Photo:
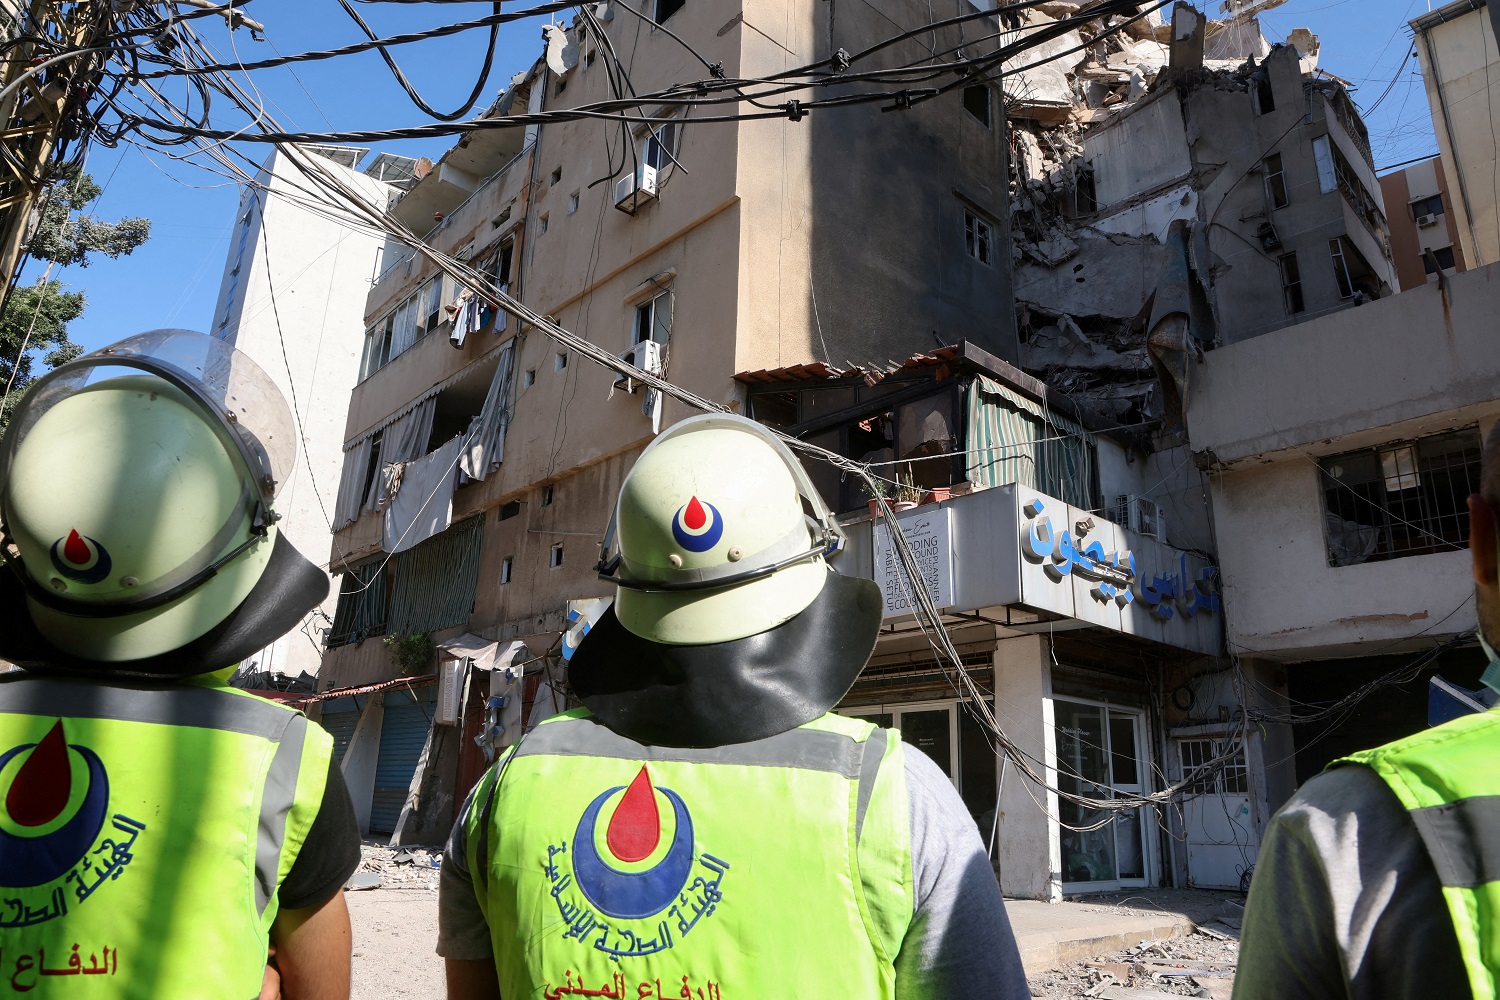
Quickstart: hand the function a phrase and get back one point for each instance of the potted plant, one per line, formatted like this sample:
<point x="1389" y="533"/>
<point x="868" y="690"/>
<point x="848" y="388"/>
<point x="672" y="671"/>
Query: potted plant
<point x="877" y="489"/>
<point x="908" y="493"/>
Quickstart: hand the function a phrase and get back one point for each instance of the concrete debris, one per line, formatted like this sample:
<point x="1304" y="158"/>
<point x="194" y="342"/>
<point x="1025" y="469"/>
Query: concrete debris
<point x="1196" y="965"/>
<point x="383" y="867"/>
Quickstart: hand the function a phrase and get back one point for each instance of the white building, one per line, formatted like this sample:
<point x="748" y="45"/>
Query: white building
<point x="293" y="299"/>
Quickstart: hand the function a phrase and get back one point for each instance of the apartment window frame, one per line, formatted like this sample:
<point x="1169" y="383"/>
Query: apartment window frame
<point x="430" y="302"/>
<point x="528" y="379"/>
<point x="1341" y="274"/>
<point x="1402" y="498"/>
<point x="1292" y="298"/>
<point x="1276" y="186"/>
<point x="555" y="556"/>
<point x="1265" y="93"/>
<point x="978" y="101"/>
<point x="573" y="202"/>
<point x="659" y="146"/>
<point x="652" y="319"/>
<point x="1086" y="190"/>
<point x="979" y="237"/>
<point x="541" y="223"/>
<point x="1436" y="252"/>
<point x="1433" y="205"/>
<point x="507" y="567"/>
<point x="664" y="9"/>
<point x="559" y="360"/>
<point x="548" y="495"/>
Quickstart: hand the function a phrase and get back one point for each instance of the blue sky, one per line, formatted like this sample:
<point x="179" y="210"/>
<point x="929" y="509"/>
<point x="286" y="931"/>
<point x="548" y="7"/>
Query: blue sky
<point x="174" y="279"/>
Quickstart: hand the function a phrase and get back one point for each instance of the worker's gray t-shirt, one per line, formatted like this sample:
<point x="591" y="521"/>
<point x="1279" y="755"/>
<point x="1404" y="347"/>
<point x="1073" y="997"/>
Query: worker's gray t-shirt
<point x="959" y="934"/>
<point x="1345" y="902"/>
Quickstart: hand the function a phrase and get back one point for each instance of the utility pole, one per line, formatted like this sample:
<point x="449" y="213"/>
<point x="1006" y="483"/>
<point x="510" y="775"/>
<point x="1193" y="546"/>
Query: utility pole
<point x="40" y="85"/>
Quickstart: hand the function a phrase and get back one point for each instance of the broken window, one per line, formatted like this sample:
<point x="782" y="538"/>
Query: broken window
<point x="1406" y="498"/>
<point x="1276" y="182"/>
<point x="1265" y="96"/>
<point x="1291" y="283"/>
<point x="977" y="103"/>
<point x="1086" y="193"/>
<point x="653" y="320"/>
<point x="1443" y="257"/>
<point x="978" y="238"/>
<point x="1341" y="269"/>
<point x="666" y="8"/>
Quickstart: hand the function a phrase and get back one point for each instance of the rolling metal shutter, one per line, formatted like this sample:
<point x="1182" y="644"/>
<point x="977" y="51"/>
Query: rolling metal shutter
<point x="340" y="718"/>
<point x="408" y="717"/>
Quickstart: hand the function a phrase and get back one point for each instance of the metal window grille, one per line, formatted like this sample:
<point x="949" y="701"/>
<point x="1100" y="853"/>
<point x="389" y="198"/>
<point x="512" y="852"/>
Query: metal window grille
<point x="1232" y="777"/>
<point x="1402" y="499"/>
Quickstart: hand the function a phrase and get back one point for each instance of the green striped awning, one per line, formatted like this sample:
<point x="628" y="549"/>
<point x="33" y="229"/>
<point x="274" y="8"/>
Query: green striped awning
<point x="436" y="580"/>
<point x="1012" y="439"/>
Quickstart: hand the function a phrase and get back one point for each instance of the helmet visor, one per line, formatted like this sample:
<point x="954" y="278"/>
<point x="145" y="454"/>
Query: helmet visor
<point x="236" y="395"/>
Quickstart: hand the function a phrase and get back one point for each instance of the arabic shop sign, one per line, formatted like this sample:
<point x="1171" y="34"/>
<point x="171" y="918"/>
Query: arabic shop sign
<point x="1112" y="574"/>
<point x="930" y="535"/>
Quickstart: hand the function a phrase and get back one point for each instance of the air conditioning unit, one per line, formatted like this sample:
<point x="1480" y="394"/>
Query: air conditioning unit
<point x="1140" y="515"/>
<point x="1423" y="221"/>
<point x="635" y="189"/>
<point x="645" y="356"/>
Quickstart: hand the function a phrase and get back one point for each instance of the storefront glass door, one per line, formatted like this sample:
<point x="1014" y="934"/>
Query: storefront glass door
<point x="1100" y="748"/>
<point x="954" y="741"/>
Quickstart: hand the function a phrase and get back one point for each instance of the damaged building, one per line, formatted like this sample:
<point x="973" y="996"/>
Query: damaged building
<point x="1180" y="186"/>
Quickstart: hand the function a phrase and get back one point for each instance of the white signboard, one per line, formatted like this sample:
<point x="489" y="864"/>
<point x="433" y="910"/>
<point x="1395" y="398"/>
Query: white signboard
<point x="930" y="534"/>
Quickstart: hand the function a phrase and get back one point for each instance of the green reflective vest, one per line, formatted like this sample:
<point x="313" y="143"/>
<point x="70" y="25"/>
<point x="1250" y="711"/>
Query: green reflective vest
<point x="144" y="833"/>
<point x="776" y="868"/>
<point x="1449" y="779"/>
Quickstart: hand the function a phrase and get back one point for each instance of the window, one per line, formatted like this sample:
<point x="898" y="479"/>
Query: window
<point x="660" y="147"/>
<point x="1427" y="206"/>
<point x="557" y="176"/>
<point x="1406" y="498"/>
<point x="1341" y="269"/>
<point x="1265" y="97"/>
<point x="572" y="202"/>
<point x="505" y="565"/>
<point x="562" y="85"/>
<point x="556" y="559"/>
<point x="978" y="238"/>
<point x="653" y="320"/>
<point x="559" y="361"/>
<point x="1276" y="182"/>
<point x="588" y="60"/>
<point x="429" y="305"/>
<point x="1445" y="260"/>
<point x="528" y="379"/>
<point x="541" y="224"/>
<point x="362" y="605"/>
<point x="373" y="468"/>
<point x="509" y="510"/>
<point x="666" y="8"/>
<point x="1232" y="777"/>
<point x="977" y="103"/>
<point x="547" y="495"/>
<point x="1086" y="194"/>
<point x="501" y="219"/>
<point x="1291" y="284"/>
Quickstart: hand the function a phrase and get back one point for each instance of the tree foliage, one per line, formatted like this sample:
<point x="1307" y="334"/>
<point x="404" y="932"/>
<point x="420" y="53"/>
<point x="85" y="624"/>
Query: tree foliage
<point x="34" y="322"/>
<point x="66" y="234"/>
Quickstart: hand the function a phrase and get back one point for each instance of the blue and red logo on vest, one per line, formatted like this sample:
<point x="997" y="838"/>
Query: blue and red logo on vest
<point x="697" y="526"/>
<point x="80" y="558"/>
<point x="54" y="800"/>
<point x="634" y="858"/>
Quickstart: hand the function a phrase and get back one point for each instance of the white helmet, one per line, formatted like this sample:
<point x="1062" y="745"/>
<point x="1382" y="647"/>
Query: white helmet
<point x="137" y="485"/>
<point x="729" y="622"/>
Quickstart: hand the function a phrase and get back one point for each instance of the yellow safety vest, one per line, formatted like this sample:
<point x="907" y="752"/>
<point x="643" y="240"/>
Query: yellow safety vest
<point x="1448" y="778"/>
<point x="777" y="868"/>
<point x="144" y="832"/>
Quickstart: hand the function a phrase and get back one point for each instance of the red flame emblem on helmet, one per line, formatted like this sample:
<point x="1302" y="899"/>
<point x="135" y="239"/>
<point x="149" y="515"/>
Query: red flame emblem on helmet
<point x="697" y="526"/>
<point x="80" y="558"/>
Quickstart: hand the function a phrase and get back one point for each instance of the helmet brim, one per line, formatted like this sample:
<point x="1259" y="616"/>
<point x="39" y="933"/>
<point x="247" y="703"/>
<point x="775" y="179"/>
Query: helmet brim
<point x="729" y="692"/>
<point x="287" y="590"/>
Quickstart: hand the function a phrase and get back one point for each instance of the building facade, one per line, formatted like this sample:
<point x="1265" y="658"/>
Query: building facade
<point x="294" y="283"/>
<point x="1461" y="72"/>
<point x="1424" y="243"/>
<point x="1340" y="512"/>
<point x="697" y="250"/>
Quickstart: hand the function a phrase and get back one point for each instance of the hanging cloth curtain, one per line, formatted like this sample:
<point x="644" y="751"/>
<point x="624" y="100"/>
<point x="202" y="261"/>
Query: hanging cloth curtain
<point x="351" y="483"/>
<point x="485" y="447"/>
<point x="1003" y="430"/>
<point x="404" y="439"/>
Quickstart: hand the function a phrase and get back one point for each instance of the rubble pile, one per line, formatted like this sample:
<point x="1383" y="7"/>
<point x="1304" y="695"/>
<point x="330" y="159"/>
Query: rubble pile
<point x="383" y="867"/>
<point x="1199" y="965"/>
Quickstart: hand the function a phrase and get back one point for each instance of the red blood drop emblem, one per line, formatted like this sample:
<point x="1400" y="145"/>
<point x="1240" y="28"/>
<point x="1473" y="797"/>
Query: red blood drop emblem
<point x="635" y="829"/>
<point x="44" y="782"/>
<point x="76" y="550"/>
<point x="695" y="517"/>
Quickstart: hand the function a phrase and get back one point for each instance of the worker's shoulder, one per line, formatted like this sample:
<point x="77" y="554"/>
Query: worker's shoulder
<point x="1347" y="790"/>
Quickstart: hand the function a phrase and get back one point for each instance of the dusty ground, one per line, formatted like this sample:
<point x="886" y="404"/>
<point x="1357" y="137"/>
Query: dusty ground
<point x="395" y="928"/>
